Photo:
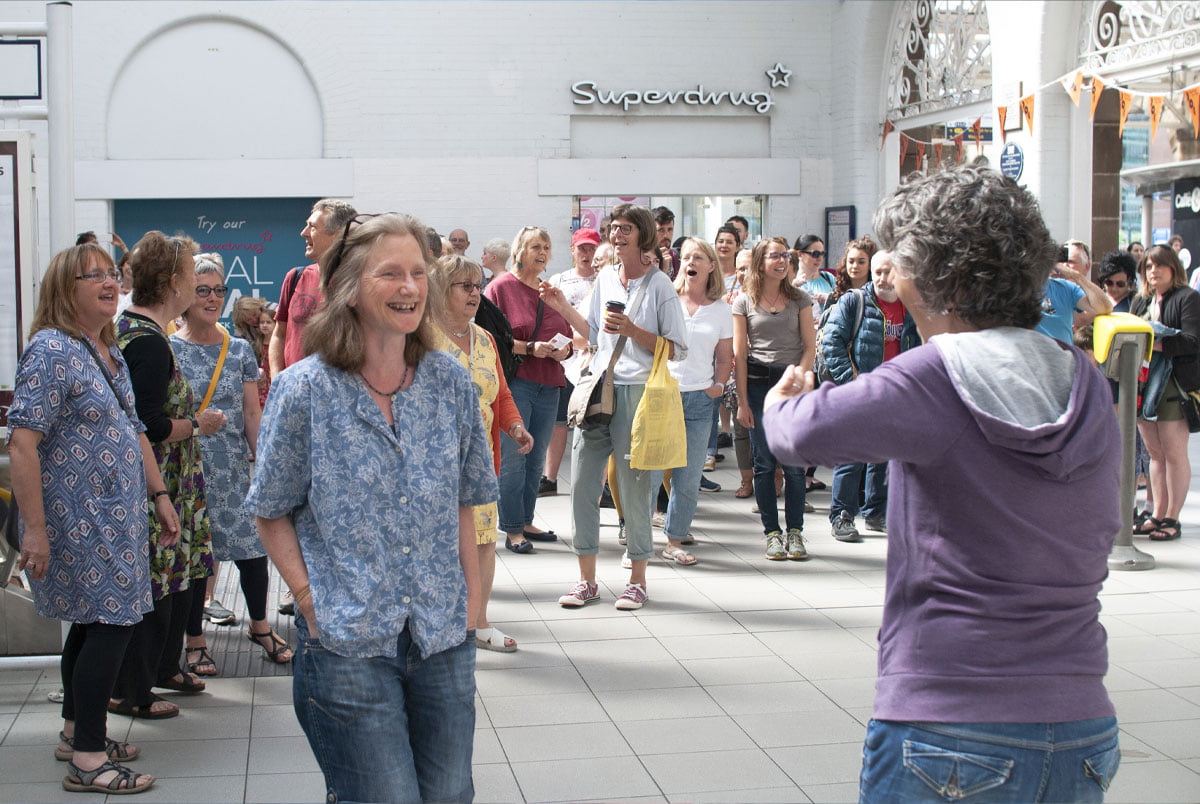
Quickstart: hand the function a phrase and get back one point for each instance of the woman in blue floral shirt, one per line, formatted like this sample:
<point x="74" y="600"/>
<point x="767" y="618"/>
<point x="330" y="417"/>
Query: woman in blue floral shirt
<point x="371" y="525"/>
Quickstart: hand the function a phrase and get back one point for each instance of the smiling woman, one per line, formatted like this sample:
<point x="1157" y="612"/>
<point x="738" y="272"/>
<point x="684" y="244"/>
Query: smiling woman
<point x="372" y="455"/>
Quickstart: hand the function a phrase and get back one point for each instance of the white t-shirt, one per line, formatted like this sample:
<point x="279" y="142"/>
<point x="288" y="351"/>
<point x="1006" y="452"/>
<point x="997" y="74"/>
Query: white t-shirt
<point x="710" y="324"/>
<point x="658" y="311"/>
<point x="575" y="289"/>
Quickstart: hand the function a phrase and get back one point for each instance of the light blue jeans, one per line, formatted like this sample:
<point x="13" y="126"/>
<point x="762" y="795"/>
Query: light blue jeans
<point x="912" y="763"/>
<point x="383" y="730"/>
<point x="520" y="474"/>
<point x="698" y="408"/>
<point x="589" y="462"/>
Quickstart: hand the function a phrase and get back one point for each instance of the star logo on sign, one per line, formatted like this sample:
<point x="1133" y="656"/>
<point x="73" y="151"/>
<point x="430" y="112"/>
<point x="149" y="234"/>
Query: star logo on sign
<point x="779" y="75"/>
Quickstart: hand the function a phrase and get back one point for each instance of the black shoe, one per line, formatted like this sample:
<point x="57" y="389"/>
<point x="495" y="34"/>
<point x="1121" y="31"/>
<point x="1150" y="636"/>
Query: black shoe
<point x="878" y="523"/>
<point x="547" y="536"/>
<point x="524" y="548"/>
<point x="708" y="485"/>
<point x="724" y="440"/>
<point x="547" y="487"/>
<point x="719" y="457"/>
<point x="606" y="500"/>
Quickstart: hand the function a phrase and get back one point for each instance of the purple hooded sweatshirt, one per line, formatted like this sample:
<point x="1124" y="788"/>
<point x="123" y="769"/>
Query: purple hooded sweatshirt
<point x="1004" y="461"/>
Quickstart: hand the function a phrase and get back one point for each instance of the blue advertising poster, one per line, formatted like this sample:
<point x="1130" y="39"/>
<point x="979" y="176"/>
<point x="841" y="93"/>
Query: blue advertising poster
<point x="259" y="238"/>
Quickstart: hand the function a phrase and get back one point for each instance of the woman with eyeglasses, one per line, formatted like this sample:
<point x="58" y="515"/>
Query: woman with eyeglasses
<point x="164" y="281"/>
<point x="1166" y="299"/>
<point x="535" y="387"/>
<point x="460" y="285"/>
<point x="372" y="456"/>
<point x="772" y="329"/>
<point x="211" y="359"/>
<point x="82" y="472"/>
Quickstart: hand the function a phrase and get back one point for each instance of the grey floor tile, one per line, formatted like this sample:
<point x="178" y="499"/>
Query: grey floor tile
<point x="845" y="793"/>
<point x="613" y="778"/>
<point x="616" y="651"/>
<point x="273" y="754"/>
<point x="691" y="625"/>
<point x="486" y="747"/>
<point x="528" y="654"/>
<point x="275" y="720"/>
<point x="544" y="710"/>
<point x="223" y="692"/>
<point x="1165" y="673"/>
<point x="172" y="759"/>
<point x="42" y="793"/>
<point x="774" y="729"/>
<point x="715" y="646"/>
<point x="273" y="690"/>
<point x="1164" y="782"/>
<point x="782" y="620"/>
<point x="675" y="702"/>
<point x="13" y="697"/>
<point x="615" y="627"/>
<point x="195" y="724"/>
<point x="645" y="676"/>
<point x="194" y="789"/>
<point x="860" y="663"/>
<point x="39" y="728"/>
<point x="833" y="763"/>
<point x="1140" y="706"/>
<point x="277" y="788"/>
<point x="848" y="692"/>
<point x="810" y="643"/>
<point x="761" y="795"/>
<point x="534" y="743"/>
<point x="29" y="764"/>
<point x="494" y="784"/>
<point x="536" y="681"/>
<point x="709" y="771"/>
<point x="681" y="735"/>
<point x="1177" y="739"/>
<point x="737" y="670"/>
<point x="778" y="696"/>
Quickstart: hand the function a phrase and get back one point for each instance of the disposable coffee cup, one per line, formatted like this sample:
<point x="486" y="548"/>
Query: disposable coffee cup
<point x="613" y="307"/>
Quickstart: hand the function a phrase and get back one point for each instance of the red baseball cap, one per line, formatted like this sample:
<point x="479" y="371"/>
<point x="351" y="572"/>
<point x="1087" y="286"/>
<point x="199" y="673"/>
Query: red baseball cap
<point x="585" y="236"/>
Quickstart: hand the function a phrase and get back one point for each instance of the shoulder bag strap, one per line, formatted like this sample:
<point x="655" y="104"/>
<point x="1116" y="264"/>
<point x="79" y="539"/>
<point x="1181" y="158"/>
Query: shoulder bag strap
<point x="107" y="377"/>
<point x="633" y="307"/>
<point x="216" y="375"/>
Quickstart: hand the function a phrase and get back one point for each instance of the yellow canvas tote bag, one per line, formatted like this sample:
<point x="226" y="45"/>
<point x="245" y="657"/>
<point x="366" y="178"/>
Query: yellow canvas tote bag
<point x="659" y="439"/>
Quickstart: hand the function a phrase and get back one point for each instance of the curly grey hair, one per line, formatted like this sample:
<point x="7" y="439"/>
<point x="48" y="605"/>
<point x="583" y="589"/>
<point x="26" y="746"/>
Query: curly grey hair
<point x="973" y="243"/>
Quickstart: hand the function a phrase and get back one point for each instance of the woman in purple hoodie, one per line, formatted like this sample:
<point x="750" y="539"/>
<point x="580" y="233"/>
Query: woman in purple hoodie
<point x="991" y="654"/>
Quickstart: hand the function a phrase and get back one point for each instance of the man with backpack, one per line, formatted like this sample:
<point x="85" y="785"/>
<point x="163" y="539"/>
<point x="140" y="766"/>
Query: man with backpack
<point x="863" y="329"/>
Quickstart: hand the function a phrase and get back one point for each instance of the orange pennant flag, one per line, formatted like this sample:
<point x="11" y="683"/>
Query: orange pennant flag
<point x="1126" y="103"/>
<point x="1002" y="113"/>
<point x="1156" y="107"/>
<point x="977" y="130"/>
<point x="1027" y="111"/>
<point x="920" y="154"/>
<point x="958" y="143"/>
<point x="1191" y="99"/>
<point x="1097" y="88"/>
<point x="903" y="148"/>
<point x="1074" y="86"/>
<point x="887" y="129"/>
<point x="937" y="152"/>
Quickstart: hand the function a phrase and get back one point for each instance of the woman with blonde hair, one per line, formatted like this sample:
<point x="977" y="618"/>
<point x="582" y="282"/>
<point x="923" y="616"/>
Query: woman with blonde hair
<point x="85" y="545"/>
<point x="536" y="385"/>
<point x="772" y="329"/>
<point x="459" y="283"/>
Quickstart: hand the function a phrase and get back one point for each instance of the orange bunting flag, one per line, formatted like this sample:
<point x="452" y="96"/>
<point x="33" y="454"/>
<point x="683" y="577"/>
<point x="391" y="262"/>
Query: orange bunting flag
<point x="1156" y="107"/>
<point x="1097" y="88"/>
<point x="977" y="130"/>
<point x="1126" y="103"/>
<point x="887" y="129"/>
<point x="920" y="154"/>
<point x="958" y="143"/>
<point x="903" y="148"/>
<point x="1027" y="111"/>
<point x="937" y="152"/>
<point x="1002" y="113"/>
<point x="1191" y="99"/>
<point x="1074" y="86"/>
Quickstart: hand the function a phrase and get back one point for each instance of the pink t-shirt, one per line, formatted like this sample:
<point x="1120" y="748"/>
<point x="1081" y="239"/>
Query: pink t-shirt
<point x="295" y="310"/>
<point x="519" y="303"/>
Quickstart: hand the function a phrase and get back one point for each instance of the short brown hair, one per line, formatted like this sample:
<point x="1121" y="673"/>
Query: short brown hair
<point x="56" y="301"/>
<point x="334" y="331"/>
<point x="643" y="220"/>
<point x="1166" y="257"/>
<point x="154" y="260"/>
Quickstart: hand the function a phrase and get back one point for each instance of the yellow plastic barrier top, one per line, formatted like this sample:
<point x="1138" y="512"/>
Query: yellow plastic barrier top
<point x="1105" y="329"/>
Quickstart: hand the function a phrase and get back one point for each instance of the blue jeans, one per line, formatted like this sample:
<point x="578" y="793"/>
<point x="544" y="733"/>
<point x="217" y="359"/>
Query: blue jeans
<point x="698" y="408"/>
<point x="847" y="485"/>
<point x="764" y="469"/>
<point x="906" y="763"/>
<point x="589" y="465"/>
<point x="520" y="474"/>
<point x="388" y="729"/>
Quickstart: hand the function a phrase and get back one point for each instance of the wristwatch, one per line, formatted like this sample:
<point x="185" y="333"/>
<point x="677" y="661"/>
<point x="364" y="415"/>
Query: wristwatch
<point x="195" y="426"/>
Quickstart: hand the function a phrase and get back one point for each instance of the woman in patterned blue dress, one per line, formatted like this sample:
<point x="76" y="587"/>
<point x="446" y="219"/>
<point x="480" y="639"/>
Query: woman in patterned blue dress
<point x="371" y="457"/>
<point x="197" y="347"/>
<point x="82" y="472"/>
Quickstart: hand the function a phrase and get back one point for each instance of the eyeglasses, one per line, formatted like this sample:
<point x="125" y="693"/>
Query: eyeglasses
<point x="623" y="228"/>
<point x="1113" y="283"/>
<point x="469" y="286"/>
<point x="204" y="291"/>
<point x="776" y="255"/>
<point x="816" y="255"/>
<point x="99" y="276"/>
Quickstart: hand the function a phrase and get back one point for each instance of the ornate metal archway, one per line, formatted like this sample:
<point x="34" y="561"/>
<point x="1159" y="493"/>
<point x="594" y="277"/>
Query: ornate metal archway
<point x="1118" y="35"/>
<point x="939" y="57"/>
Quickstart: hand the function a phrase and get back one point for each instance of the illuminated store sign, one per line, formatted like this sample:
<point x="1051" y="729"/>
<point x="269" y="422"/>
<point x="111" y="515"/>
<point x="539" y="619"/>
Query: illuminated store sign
<point x="587" y="93"/>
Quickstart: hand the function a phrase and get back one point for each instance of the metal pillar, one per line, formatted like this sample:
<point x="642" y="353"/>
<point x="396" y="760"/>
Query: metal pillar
<point x="1124" y="555"/>
<point x="61" y="157"/>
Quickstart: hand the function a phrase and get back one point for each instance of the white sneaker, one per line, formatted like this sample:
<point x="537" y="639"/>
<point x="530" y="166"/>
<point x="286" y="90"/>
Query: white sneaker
<point x="632" y="598"/>
<point x="626" y="561"/>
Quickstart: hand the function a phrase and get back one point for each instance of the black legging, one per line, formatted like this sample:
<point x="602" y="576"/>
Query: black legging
<point x="91" y="659"/>
<point x="255" y="581"/>
<point x="153" y="652"/>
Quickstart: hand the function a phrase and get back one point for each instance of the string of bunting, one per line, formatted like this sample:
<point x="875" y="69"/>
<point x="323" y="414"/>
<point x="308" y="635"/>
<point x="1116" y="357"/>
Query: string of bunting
<point x="1073" y="84"/>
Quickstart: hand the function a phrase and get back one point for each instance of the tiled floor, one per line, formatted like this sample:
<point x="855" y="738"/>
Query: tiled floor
<point x="741" y="680"/>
